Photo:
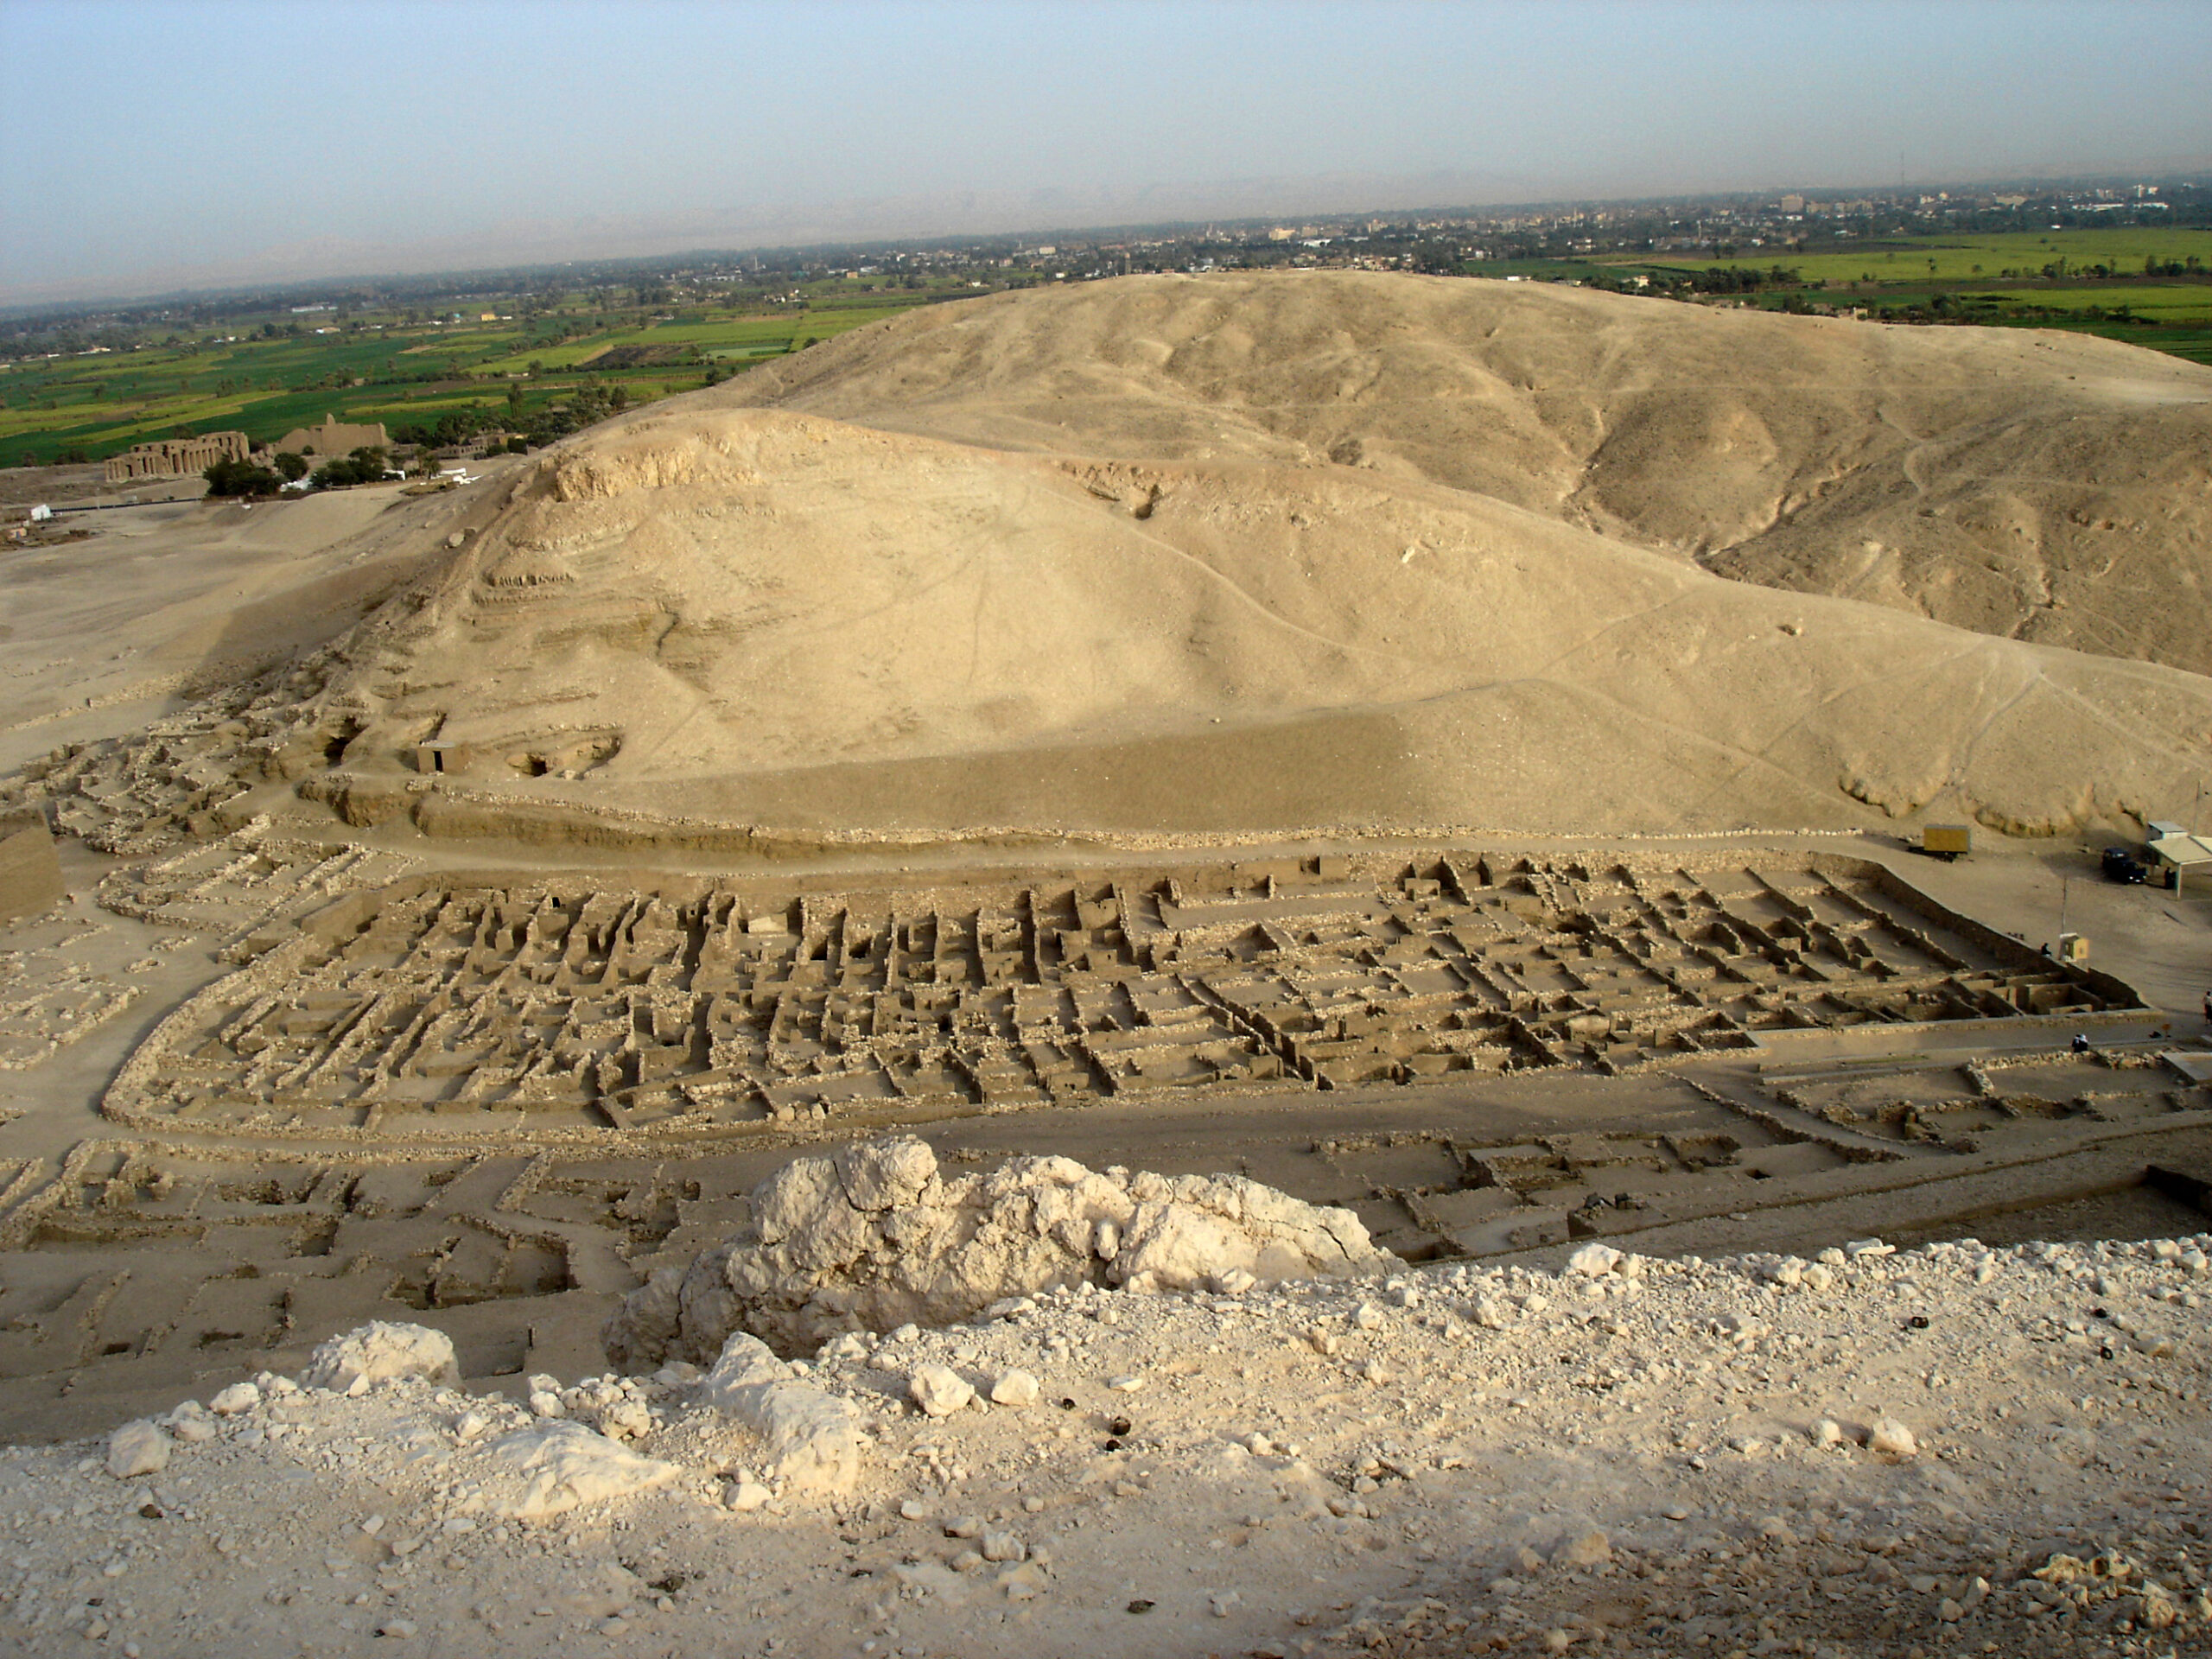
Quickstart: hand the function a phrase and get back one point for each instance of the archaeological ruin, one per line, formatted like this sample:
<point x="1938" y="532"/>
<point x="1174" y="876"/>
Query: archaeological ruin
<point x="331" y="436"/>
<point x="501" y="1098"/>
<point x="526" y="1008"/>
<point x="175" y="457"/>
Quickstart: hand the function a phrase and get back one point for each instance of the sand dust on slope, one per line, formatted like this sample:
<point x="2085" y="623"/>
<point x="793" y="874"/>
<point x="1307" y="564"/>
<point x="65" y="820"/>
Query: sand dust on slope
<point x="2041" y="486"/>
<point x="160" y="601"/>
<point x="754" y="616"/>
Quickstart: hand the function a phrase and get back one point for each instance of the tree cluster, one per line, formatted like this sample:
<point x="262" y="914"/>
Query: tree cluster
<point x="591" y="402"/>
<point x="452" y="427"/>
<point x="228" y="477"/>
<point x="1729" y="279"/>
<point x="365" y="466"/>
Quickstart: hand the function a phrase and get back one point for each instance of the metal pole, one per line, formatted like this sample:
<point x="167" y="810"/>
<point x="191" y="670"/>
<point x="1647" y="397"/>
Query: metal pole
<point x="2064" y="882"/>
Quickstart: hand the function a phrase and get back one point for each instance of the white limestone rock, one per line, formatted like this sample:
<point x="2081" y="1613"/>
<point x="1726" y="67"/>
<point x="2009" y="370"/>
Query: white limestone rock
<point x="1888" y="1438"/>
<point x="939" y="1391"/>
<point x="875" y="1237"/>
<point x="190" y="1424"/>
<point x="1490" y="1313"/>
<point x="811" y="1439"/>
<point x="235" y="1401"/>
<point x="137" y="1448"/>
<point x="747" y="1496"/>
<point x="566" y="1465"/>
<point x="381" y="1352"/>
<point x="1016" y="1388"/>
<point x="1593" y="1261"/>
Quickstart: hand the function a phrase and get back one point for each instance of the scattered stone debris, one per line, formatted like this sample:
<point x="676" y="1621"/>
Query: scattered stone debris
<point x="1677" y="1458"/>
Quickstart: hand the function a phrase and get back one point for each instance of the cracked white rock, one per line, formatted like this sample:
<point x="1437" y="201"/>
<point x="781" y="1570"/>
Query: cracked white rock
<point x="939" y="1390"/>
<point x="381" y="1352"/>
<point x="238" y="1398"/>
<point x="811" y="1438"/>
<point x="1015" y="1388"/>
<point x="190" y="1424"/>
<point x="566" y="1465"/>
<point x="1593" y="1261"/>
<point x="137" y="1448"/>
<point x="876" y="1238"/>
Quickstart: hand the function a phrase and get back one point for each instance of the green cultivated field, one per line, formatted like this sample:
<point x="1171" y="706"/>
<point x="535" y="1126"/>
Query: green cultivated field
<point x="1965" y="257"/>
<point x="738" y="338"/>
<point x="2162" y="302"/>
<point x="2089" y="281"/>
<point x="267" y="371"/>
<point x="93" y="405"/>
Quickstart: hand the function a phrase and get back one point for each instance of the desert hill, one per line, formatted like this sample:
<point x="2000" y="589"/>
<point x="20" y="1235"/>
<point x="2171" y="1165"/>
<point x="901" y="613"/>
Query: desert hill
<point x="2048" y="487"/>
<point x="755" y="616"/>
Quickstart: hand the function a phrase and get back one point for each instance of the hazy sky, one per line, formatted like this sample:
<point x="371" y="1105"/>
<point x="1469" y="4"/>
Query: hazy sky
<point x="147" y="144"/>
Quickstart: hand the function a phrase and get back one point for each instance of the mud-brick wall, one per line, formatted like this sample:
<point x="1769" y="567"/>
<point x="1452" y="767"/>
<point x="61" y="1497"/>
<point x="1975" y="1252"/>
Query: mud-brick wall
<point x="31" y="869"/>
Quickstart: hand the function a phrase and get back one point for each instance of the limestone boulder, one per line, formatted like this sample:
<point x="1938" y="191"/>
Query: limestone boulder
<point x="137" y="1448"/>
<point x="381" y="1352"/>
<point x="564" y="1466"/>
<point x="876" y="1236"/>
<point x="811" y="1439"/>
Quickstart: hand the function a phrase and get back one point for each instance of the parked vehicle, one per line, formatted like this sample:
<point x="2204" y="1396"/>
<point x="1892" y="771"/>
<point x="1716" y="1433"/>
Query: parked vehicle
<point x="1946" y="841"/>
<point x="2120" y="864"/>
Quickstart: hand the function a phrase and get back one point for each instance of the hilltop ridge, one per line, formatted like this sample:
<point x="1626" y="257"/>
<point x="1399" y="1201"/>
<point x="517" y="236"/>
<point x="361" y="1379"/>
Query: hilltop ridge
<point x="2049" y="488"/>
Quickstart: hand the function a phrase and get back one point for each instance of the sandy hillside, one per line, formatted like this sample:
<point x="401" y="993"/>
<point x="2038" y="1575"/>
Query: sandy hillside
<point x="2041" y="486"/>
<point x="158" y="601"/>
<point x="756" y="616"/>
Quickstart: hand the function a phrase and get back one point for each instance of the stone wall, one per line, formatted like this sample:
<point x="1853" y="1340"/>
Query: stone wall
<point x="333" y="437"/>
<point x="175" y="457"/>
<point x="581" y="1005"/>
<point x="30" y="869"/>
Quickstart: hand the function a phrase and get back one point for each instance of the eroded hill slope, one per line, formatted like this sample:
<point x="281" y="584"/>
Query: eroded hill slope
<point x="2040" y="486"/>
<point x="753" y="616"/>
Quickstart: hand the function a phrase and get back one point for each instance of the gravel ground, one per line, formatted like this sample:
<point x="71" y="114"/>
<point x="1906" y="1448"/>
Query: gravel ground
<point x="1958" y="1450"/>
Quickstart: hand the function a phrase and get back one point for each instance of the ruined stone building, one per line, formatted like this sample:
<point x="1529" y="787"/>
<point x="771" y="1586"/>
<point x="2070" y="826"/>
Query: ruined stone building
<point x="333" y="437"/>
<point x="175" y="457"/>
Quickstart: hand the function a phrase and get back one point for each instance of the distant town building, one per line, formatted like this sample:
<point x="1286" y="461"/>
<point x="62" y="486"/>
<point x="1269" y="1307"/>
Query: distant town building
<point x="175" y="457"/>
<point x="333" y="437"/>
